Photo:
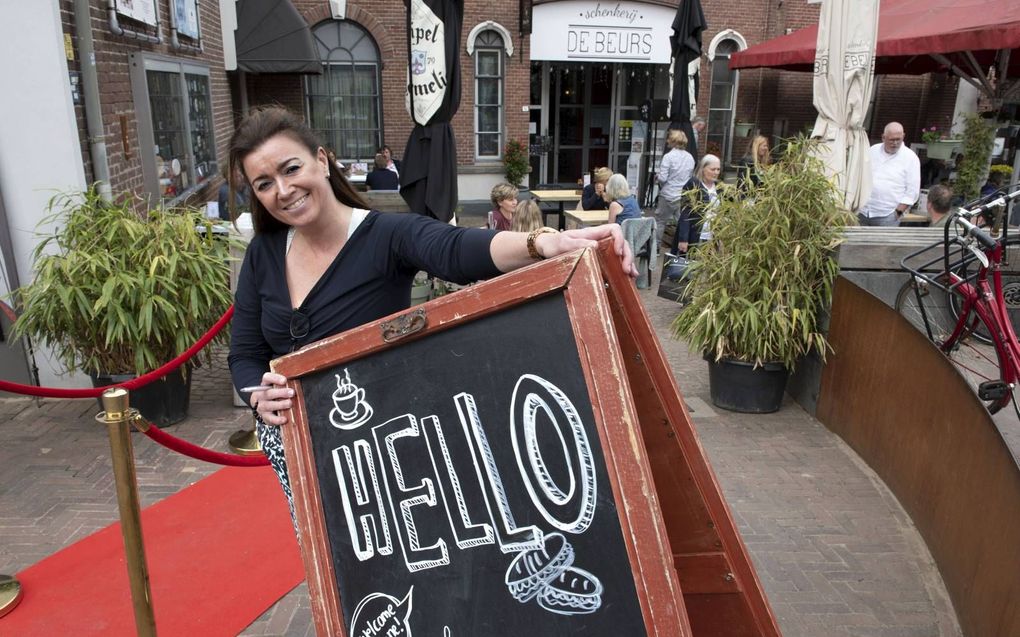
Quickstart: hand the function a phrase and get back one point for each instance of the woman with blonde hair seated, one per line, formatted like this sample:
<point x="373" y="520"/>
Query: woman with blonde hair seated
<point x="593" y="195"/>
<point x="758" y="159"/>
<point x="622" y="204"/>
<point x="527" y="217"/>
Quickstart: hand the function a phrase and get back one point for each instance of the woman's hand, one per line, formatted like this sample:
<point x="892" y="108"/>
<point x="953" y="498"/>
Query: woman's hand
<point x="554" y="244"/>
<point x="268" y="402"/>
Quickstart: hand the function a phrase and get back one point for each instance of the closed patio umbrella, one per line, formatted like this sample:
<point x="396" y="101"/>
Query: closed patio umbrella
<point x="683" y="75"/>
<point x="843" y="82"/>
<point x="428" y="176"/>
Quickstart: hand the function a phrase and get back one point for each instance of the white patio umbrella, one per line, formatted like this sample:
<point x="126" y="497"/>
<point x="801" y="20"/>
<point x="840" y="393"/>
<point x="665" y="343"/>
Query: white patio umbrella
<point x="844" y="80"/>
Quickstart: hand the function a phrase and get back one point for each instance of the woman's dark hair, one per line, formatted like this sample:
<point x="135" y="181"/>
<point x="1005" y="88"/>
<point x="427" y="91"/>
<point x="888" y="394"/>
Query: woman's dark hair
<point x="259" y="125"/>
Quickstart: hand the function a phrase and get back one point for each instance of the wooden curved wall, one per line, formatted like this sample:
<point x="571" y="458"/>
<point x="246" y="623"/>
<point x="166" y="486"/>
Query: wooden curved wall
<point x="902" y="406"/>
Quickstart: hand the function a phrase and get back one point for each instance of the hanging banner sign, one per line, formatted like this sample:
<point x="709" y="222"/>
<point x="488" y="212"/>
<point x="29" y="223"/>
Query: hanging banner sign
<point x="583" y="30"/>
<point x="141" y="10"/>
<point x="428" y="62"/>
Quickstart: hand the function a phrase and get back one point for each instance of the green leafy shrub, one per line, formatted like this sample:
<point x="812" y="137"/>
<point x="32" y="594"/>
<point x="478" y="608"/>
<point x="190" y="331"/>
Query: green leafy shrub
<point x="978" y="139"/>
<point x="758" y="286"/>
<point x="116" y="293"/>
<point x="515" y="161"/>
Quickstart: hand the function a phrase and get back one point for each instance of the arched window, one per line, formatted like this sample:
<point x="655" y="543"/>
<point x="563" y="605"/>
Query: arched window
<point x="723" y="100"/>
<point x="489" y="71"/>
<point x="343" y="103"/>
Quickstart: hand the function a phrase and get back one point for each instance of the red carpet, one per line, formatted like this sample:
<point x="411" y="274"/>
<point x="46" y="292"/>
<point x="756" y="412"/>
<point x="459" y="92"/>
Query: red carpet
<point x="220" y="553"/>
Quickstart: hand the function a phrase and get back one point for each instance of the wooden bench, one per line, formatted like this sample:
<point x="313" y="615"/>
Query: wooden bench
<point x="385" y="200"/>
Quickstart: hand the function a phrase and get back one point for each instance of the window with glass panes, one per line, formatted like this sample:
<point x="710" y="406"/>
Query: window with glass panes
<point x="175" y="107"/>
<point x="343" y="103"/>
<point x="489" y="54"/>
<point x="722" y="101"/>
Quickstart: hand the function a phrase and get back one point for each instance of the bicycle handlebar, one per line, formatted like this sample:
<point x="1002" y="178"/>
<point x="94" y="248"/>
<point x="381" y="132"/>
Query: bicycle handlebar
<point x="962" y="217"/>
<point x="982" y="237"/>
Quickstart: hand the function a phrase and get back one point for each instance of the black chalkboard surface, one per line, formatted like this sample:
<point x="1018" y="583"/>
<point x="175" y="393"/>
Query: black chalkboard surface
<point x="464" y="487"/>
<point x="473" y="467"/>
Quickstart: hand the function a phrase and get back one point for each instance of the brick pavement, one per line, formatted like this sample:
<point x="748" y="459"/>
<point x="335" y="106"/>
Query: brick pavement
<point x="834" y="550"/>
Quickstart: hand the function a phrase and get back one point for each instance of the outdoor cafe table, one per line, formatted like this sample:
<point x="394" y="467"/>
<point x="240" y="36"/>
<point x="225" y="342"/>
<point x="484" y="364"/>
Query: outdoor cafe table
<point x="556" y="196"/>
<point x="585" y="218"/>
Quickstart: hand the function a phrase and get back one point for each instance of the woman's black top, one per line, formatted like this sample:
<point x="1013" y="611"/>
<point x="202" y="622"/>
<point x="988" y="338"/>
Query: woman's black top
<point x="369" y="279"/>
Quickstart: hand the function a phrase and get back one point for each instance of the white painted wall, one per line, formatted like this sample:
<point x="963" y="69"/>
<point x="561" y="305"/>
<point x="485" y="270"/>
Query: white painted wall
<point x="39" y="149"/>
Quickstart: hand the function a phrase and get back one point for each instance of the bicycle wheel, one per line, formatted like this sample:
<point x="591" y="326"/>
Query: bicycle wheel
<point x="1011" y="296"/>
<point x="976" y="361"/>
<point x="932" y="308"/>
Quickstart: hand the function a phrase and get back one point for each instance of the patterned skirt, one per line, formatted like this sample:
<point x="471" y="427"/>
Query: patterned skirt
<point x="272" y="446"/>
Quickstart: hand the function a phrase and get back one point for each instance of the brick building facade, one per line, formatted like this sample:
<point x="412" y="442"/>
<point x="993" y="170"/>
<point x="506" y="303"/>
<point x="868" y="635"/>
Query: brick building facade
<point x="128" y="122"/>
<point x="776" y="103"/>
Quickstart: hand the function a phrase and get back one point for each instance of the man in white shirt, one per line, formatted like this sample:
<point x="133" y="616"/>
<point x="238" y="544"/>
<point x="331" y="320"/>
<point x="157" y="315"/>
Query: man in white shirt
<point x="895" y="180"/>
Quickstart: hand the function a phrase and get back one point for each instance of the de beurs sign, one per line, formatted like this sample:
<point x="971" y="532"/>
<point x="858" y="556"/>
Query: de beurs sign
<point x="592" y="31"/>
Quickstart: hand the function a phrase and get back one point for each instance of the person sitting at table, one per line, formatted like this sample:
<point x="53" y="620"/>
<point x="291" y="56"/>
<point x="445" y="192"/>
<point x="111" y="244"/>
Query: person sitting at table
<point x="527" y="217"/>
<point x="622" y="204"/>
<point x="382" y="178"/>
<point x="504" y="200"/>
<point x="593" y="195"/>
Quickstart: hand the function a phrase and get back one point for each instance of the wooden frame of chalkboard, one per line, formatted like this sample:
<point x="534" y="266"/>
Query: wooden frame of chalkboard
<point x="474" y="466"/>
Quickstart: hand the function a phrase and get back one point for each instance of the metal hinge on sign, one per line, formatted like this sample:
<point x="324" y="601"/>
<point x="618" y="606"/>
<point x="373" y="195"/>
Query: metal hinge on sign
<point x="404" y="325"/>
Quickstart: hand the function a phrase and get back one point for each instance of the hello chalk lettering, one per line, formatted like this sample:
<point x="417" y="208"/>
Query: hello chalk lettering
<point x="380" y="505"/>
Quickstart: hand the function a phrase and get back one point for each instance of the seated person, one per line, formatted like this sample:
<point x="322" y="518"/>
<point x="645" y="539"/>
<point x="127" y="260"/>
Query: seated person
<point x="382" y="178"/>
<point x="223" y="196"/>
<point x="940" y="204"/>
<point x="993" y="185"/>
<point x="622" y="204"/>
<point x="527" y="217"/>
<point x="504" y="201"/>
<point x="391" y="164"/>
<point x="593" y="195"/>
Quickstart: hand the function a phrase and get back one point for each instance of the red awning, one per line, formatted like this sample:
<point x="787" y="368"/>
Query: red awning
<point x="908" y="32"/>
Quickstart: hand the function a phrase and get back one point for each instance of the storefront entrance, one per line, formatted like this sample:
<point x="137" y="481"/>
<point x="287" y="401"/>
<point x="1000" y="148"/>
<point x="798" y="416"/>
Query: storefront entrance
<point x="582" y="117"/>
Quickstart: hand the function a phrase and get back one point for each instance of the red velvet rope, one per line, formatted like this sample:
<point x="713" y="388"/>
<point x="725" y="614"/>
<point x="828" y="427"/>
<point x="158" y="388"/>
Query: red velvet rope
<point x="134" y="383"/>
<point x="173" y="443"/>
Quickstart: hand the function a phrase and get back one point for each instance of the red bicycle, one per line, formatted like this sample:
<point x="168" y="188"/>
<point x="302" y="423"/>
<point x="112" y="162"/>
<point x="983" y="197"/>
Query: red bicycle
<point x="956" y="298"/>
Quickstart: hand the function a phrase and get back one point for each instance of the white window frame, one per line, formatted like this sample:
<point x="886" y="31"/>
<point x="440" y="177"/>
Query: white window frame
<point x="479" y="52"/>
<point x="197" y="175"/>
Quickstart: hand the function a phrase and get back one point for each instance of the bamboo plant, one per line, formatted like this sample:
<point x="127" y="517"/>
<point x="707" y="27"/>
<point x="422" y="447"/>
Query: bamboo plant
<point x="759" y="286"/>
<point x="115" y="293"/>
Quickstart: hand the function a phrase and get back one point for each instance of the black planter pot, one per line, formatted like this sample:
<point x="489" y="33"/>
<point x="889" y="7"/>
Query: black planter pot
<point x="162" y="402"/>
<point x="739" y="386"/>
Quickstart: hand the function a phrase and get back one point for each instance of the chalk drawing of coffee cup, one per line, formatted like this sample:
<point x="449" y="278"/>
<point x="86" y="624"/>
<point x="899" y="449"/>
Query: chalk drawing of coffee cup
<point x="350" y="410"/>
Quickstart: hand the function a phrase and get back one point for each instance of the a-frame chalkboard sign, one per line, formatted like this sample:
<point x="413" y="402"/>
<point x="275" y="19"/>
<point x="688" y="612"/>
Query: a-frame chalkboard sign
<point x="495" y="463"/>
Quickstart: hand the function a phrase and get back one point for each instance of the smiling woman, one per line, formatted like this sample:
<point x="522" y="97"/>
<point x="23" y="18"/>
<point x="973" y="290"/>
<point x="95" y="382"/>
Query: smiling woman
<point x="321" y="263"/>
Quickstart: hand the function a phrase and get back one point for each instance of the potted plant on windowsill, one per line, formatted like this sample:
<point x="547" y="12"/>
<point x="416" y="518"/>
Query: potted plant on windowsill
<point x="743" y="129"/>
<point x="117" y="295"/>
<point x="937" y="144"/>
<point x="758" y="286"/>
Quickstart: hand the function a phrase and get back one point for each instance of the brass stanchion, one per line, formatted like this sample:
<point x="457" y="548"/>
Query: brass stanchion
<point x="117" y="418"/>
<point x="245" y="443"/>
<point x="10" y="594"/>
